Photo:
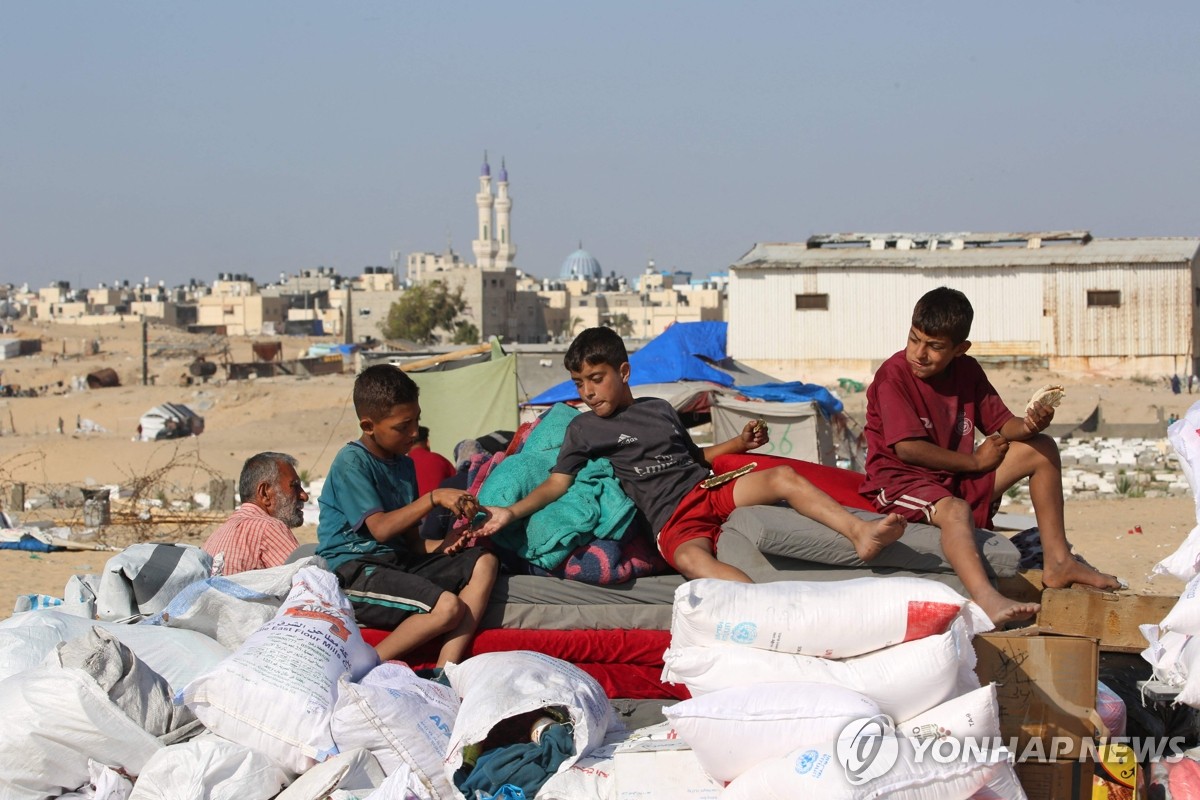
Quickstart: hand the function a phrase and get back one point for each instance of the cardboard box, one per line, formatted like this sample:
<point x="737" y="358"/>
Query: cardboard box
<point x="1060" y="780"/>
<point x="1111" y="617"/>
<point x="1046" y="689"/>
<point x="654" y="764"/>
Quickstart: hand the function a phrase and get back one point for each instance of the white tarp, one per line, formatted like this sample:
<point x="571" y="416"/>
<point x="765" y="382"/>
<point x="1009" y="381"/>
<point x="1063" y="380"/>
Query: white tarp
<point x="170" y="421"/>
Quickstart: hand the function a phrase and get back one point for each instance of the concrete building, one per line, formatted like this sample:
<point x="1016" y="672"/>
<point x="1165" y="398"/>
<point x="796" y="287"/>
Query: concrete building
<point x="1072" y="301"/>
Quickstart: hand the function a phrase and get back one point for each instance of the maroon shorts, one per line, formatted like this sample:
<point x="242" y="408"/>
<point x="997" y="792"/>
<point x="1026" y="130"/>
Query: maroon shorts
<point x="699" y="515"/>
<point x="915" y="501"/>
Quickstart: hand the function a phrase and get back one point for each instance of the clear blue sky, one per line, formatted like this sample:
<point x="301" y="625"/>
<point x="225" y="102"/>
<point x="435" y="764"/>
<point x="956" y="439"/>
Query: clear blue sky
<point x="184" y="139"/>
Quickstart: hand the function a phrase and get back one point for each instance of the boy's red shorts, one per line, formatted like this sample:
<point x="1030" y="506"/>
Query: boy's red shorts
<point x="699" y="515"/>
<point x="915" y="501"/>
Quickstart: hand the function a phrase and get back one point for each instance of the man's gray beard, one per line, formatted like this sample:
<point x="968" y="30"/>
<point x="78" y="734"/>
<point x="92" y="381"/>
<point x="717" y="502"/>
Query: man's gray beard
<point x="289" y="511"/>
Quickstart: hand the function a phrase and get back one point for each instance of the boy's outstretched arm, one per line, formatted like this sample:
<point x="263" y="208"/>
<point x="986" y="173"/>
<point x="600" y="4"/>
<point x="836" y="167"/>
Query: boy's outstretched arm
<point x="924" y="453"/>
<point x="385" y="525"/>
<point x="753" y="436"/>
<point x="549" y="490"/>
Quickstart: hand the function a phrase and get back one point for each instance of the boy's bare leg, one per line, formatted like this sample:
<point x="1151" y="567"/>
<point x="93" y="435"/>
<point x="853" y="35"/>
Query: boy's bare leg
<point x="694" y="559"/>
<point x="953" y="517"/>
<point x="418" y="629"/>
<point x="1038" y="460"/>
<point x="770" y="486"/>
<point x="474" y="597"/>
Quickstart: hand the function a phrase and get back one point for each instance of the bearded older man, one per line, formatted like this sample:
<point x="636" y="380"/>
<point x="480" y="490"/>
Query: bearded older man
<point x="258" y="534"/>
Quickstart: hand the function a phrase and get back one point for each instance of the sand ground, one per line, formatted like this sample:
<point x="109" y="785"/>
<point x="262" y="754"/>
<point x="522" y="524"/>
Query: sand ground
<point x="311" y="418"/>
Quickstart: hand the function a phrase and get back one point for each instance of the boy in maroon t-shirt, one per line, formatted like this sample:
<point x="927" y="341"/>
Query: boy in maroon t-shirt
<point x="923" y="409"/>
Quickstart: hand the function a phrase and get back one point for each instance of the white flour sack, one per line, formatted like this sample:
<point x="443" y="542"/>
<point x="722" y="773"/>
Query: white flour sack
<point x="818" y="772"/>
<point x="830" y="619"/>
<point x="975" y="716"/>
<point x="903" y="680"/>
<point x="275" y="694"/>
<point x="734" y="729"/>
<point x="208" y="768"/>
<point x="1167" y="653"/>
<point x="496" y="686"/>
<point x="401" y="719"/>
<point x="56" y="719"/>
<point x="1184" y="616"/>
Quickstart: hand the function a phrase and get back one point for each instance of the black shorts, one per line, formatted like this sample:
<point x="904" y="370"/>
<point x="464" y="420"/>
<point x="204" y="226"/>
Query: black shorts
<point x="384" y="591"/>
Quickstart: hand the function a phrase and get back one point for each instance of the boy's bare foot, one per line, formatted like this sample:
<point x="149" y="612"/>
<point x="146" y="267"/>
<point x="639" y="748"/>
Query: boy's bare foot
<point x="871" y="536"/>
<point x="1075" y="572"/>
<point x="1002" y="610"/>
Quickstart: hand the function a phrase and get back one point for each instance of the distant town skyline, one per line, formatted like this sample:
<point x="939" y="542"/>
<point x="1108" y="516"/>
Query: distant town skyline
<point x="178" y="141"/>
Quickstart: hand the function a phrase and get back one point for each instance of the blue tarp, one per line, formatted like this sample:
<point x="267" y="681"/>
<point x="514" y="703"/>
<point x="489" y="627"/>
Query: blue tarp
<point x="672" y="356"/>
<point x="795" y="392"/>
<point x="668" y="357"/>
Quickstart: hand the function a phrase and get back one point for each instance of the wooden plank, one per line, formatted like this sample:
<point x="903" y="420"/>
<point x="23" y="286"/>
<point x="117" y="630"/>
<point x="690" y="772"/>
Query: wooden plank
<point x="421" y="363"/>
<point x="1111" y="617"/>
<point x="1024" y="587"/>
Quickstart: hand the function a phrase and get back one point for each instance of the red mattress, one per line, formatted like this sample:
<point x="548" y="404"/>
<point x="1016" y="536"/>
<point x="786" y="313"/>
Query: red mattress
<point x="627" y="663"/>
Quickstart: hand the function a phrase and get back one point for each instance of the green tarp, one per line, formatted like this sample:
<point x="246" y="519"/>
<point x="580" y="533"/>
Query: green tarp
<point x="468" y="402"/>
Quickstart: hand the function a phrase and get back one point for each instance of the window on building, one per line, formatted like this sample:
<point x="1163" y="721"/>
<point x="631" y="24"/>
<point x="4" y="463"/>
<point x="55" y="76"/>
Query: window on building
<point x="1103" y="297"/>
<point x="1196" y="295"/>
<point x="812" y="302"/>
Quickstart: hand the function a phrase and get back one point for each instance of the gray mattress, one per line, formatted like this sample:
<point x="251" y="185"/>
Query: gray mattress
<point x="768" y="543"/>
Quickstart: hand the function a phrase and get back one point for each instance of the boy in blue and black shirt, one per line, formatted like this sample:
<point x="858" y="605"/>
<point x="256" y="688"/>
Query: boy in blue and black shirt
<point x="368" y="530"/>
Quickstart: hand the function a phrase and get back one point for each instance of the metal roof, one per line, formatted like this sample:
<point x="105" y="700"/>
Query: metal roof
<point x="1061" y="248"/>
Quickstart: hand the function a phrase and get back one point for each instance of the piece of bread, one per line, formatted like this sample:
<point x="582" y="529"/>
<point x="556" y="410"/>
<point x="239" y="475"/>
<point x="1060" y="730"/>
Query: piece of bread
<point x="1049" y="395"/>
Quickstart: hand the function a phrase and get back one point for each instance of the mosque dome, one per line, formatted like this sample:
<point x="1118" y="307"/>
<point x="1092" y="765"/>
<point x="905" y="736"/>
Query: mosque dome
<point x="581" y="264"/>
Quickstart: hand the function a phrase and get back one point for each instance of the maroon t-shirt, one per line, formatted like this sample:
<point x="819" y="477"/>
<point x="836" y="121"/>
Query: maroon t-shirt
<point x="947" y="409"/>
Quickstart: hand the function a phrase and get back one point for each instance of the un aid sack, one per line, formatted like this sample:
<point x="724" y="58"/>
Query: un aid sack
<point x="276" y="693"/>
<point x="1168" y="653"/>
<point x="228" y="609"/>
<point x="592" y="777"/>
<point x="104" y="783"/>
<point x="144" y="577"/>
<point x="354" y="769"/>
<point x="178" y="656"/>
<point x="496" y="686"/>
<point x="1184" y="616"/>
<point x="733" y="729"/>
<point x="57" y="720"/>
<point x="974" y="716"/>
<point x="141" y="693"/>
<point x="401" y="719"/>
<point x="903" y="680"/>
<point x="209" y="768"/>
<point x="820" y="772"/>
<point x="1184" y="435"/>
<point x="830" y="619"/>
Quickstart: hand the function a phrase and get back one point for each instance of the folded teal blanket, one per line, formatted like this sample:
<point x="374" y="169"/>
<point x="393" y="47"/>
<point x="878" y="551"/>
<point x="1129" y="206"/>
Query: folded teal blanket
<point x="593" y="508"/>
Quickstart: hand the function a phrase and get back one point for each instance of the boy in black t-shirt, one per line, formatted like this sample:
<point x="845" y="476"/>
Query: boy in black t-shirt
<point x="661" y="469"/>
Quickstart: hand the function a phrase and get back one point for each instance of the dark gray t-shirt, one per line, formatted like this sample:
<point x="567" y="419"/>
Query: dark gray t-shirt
<point x="653" y="456"/>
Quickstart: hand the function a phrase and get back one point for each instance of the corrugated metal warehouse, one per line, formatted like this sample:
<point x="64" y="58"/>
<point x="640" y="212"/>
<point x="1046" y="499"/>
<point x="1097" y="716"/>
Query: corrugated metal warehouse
<point x="1071" y="301"/>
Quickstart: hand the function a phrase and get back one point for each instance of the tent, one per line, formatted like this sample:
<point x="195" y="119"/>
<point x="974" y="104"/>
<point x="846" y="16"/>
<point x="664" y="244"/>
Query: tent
<point x="169" y="421"/>
<point x="687" y="366"/>
<point x="689" y="359"/>
<point x="468" y="401"/>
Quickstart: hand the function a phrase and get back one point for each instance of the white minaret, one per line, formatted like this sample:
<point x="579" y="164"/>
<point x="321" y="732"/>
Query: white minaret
<point x="485" y="245"/>
<point x="506" y="249"/>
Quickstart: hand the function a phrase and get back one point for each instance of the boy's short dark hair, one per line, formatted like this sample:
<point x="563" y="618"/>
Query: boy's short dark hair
<point x="944" y="312"/>
<point x="378" y="388"/>
<point x="596" y="346"/>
